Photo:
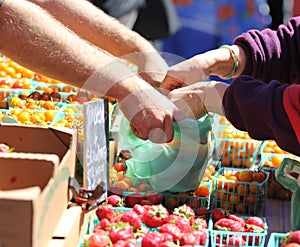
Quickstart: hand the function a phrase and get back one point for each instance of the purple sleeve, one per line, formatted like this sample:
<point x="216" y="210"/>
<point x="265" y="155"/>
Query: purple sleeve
<point x="273" y="55"/>
<point x="257" y="108"/>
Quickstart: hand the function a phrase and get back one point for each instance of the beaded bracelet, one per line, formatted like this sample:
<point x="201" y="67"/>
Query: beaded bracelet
<point x="235" y="63"/>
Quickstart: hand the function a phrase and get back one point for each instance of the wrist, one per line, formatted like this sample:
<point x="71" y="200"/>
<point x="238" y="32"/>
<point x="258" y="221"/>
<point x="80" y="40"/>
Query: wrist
<point x="234" y="60"/>
<point x="213" y="96"/>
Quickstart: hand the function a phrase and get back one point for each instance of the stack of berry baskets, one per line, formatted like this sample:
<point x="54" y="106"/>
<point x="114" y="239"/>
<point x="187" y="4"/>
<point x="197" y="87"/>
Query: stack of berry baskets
<point x="235" y="148"/>
<point x="240" y="190"/>
<point x="236" y="230"/>
<point x="271" y="158"/>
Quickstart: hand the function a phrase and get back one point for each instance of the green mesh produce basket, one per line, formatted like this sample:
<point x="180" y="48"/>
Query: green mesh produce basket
<point x="173" y="200"/>
<point x="275" y="189"/>
<point x="244" y="198"/>
<point x="234" y="148"/>
<point x="94" y="221"/>
<point x="275" y="239"/>
<point x="219" y="238"/>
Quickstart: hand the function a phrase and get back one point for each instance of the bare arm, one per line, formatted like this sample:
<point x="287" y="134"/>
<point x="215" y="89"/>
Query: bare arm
<point x="93" y="25"/>
<point x="34" y="39"/>
<point x="217" y="62"/>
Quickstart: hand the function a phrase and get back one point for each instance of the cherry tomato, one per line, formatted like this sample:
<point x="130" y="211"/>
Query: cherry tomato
<point x="120" y="167"/>
<point x="17" y="84"/>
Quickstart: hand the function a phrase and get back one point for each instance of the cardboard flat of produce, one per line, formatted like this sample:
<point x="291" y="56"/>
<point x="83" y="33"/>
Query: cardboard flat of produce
<point x="34" y="182"/>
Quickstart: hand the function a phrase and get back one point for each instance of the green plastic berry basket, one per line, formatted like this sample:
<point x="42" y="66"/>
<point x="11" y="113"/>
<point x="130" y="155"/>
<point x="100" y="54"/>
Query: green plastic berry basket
<point x="275" y="239"/>
<point x="275" y="189"/>
<point x="173" y="200"/>
<point x="219" y="238"/>
<point x="234" y="148"/>
<point x="93" y="221"/>
<point x="244" y="198"/>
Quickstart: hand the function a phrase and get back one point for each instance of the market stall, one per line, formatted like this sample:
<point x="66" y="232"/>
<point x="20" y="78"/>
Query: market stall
<point x="69" y="190"/>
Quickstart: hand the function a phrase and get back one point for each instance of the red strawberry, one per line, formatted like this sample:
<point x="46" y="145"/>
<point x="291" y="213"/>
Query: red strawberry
<point x="183" y="224"/>
<point x="171" y="229"/>
<point x="139" y="209"/>
<point x="152" y="239"/>
<point x="184" y="211"/>
<point x="103" y="225"/>
<point x="168" y="243"/>
<point x="253" y="240"/>
<point x="155" y="215"/>
<point x="172" y="218"/>
<point x="98" y="240"/>
<point x="237" y="218"/>
<point x="146" y="202"/>
<point x="134" y="198"/>
<point x="225" y="224"/>
<point x="201" y="211"/>
<point x="217" y="214"/>
<point x="120" y="231"/>
<point x="115" y="200"/>
<point x="189" y="239"/>
<point x="255" y="220"/>
<point x="167" y="236"/>
<point x="199" y="224"/>
<point x="293" y="237"/>
<point x="125" y="243"/>
<point x="236" y="241"/>
<point x="4" y="148"/>
<point x="105" y="211"/>
<point x="133" y="219"/>
<point x="153" y="197"/>
<point x="202" y="236"/>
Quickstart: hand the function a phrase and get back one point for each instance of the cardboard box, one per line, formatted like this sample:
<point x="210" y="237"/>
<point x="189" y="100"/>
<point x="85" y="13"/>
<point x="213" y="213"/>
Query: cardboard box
<point x="67" y="231"/>
<point x="34" y="182"/>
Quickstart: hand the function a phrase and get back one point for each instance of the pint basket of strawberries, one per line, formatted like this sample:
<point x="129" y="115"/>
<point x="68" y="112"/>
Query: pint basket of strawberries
<point x="228" y="229"/>
<point x="146" y="226"/>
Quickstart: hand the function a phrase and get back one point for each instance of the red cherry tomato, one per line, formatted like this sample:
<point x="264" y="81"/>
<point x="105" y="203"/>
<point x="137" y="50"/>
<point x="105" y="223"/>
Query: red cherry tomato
<point x="120" y="167"/>
<point x="17" y="84"/>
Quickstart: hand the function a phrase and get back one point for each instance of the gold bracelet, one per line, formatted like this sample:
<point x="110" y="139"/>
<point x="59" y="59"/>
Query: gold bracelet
<point x="235" y="63"/>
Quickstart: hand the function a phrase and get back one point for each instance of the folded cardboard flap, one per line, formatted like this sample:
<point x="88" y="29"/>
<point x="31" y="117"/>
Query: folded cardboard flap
<point x="21" y="170"/>
<point x="45" y="140"/>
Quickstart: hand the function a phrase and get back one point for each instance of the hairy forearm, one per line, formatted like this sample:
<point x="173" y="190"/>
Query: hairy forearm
<point x="35" y="40"/>
<point x="94" y="25"/>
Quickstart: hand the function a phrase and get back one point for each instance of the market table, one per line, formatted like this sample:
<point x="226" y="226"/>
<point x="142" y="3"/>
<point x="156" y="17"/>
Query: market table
<point x="277" y="214"/>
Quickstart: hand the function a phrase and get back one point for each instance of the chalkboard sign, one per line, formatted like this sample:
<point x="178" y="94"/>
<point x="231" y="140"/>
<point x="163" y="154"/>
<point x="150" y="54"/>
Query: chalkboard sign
<point x="96" y="145"/>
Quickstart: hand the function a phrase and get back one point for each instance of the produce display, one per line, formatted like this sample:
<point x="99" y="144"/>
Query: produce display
<point x="221" y="211"/>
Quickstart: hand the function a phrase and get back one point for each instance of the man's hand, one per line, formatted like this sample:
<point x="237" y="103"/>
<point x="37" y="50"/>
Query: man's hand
<point x="150" y="114"/>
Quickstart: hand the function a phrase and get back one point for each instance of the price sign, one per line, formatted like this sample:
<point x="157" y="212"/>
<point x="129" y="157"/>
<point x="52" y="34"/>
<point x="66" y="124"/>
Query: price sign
<point x="96" y="145"/>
